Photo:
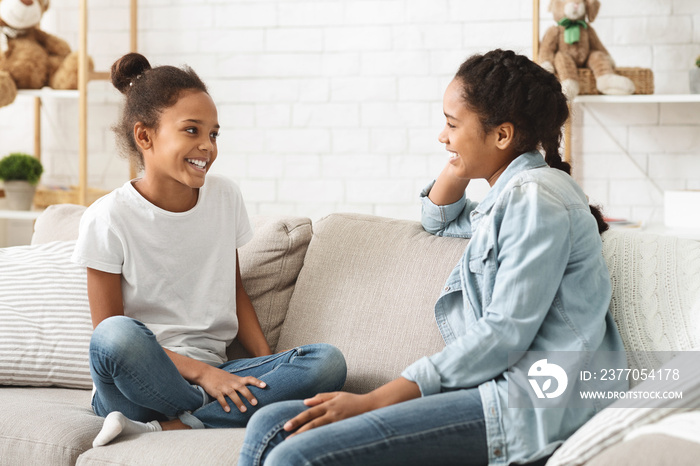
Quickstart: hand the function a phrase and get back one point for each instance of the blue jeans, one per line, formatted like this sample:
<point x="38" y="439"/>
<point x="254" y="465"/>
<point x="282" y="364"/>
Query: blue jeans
<point x="446" y="428"/>
<point x="134" y="375"/>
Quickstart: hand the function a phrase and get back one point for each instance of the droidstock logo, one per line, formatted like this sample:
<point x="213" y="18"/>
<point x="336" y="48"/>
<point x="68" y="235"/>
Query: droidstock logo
<point x="542" y="370"/>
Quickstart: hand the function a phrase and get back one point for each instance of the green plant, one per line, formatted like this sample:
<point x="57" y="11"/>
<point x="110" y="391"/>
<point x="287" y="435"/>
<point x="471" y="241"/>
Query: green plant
<point x="697" y="61"/>
<point x="20" y="167"/>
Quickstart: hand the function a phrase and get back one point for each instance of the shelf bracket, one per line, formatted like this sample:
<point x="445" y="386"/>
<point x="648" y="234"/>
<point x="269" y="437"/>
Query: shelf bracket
<point x="621" y="147"/>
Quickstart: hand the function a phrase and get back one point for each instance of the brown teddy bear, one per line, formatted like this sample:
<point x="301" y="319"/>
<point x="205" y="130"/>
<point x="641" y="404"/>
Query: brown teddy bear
<point x="573" y="44"/>
<point x="29" y="57"/>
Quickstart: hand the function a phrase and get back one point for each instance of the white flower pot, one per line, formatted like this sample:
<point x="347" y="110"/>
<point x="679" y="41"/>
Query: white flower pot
<point x="694" y="76"/>
<point x="19" y="195"/>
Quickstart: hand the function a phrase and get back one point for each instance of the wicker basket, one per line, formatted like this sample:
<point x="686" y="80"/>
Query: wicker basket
<point x="45" y="197"/>
<point x="643" y="79"/>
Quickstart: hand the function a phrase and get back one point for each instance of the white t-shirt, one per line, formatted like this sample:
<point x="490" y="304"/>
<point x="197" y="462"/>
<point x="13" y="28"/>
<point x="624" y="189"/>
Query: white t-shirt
<point x="178" y="268"/>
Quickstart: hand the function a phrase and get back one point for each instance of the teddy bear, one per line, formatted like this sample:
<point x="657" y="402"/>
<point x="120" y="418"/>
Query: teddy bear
<point x="573" y="44"/>
<point x="29" y="57"/>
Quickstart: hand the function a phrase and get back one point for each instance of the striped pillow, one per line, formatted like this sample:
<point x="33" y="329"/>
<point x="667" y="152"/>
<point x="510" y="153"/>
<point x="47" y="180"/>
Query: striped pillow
<point x="45" y="324"/>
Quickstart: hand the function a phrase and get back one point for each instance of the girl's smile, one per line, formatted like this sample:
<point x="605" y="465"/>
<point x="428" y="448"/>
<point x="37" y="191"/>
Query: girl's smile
<point x="198" y="164"/>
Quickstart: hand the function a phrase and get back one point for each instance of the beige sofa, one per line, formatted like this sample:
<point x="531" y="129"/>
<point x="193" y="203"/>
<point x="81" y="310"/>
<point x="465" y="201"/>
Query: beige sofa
<point x="363" y="283"/>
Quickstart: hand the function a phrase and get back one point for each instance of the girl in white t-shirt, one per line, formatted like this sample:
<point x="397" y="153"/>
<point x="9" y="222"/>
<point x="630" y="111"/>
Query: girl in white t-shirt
<point x="164" y="286"/>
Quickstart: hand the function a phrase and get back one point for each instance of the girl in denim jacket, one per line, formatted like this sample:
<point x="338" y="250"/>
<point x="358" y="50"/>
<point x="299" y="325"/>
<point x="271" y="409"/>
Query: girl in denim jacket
<point x="532" y="284"/>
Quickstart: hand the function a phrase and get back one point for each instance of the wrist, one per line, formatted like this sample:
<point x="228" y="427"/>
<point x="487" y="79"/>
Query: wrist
<point x="396" y="391"/>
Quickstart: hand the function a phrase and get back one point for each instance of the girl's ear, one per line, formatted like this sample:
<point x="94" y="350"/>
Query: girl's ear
<point x="142" y="136"/>
<point x="505" y="133"/>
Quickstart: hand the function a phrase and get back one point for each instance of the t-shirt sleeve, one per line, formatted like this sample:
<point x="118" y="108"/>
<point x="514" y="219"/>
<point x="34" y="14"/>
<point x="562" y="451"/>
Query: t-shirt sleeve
<point x="99" y="246"/>
<point x="244" y="230"/>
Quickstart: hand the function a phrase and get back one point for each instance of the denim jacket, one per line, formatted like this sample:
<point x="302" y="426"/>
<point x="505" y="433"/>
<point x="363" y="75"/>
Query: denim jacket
<point x="532" y="278"/>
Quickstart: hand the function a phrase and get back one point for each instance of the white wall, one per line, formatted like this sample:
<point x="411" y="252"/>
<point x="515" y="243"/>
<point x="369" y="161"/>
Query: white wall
<point x="335" y="105"/>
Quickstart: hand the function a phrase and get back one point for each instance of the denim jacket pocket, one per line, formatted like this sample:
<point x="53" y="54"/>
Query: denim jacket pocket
<point x="477" y="262"/>
<point x="480" y="264"/>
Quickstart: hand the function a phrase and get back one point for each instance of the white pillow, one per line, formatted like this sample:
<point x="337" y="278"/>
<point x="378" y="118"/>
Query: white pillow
<point x="656" y="294"/>
<point x="45" y="324"/>
<point x="685" y="426"/>
<point x="611" y="425"/>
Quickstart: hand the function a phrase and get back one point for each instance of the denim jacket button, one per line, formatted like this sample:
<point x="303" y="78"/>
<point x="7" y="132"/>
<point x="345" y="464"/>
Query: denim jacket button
<point x="497" y="452"/>
<point x="447" y="288"/>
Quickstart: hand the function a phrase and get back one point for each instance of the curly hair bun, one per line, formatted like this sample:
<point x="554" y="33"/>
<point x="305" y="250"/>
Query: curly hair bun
<point x="127" y="69"/>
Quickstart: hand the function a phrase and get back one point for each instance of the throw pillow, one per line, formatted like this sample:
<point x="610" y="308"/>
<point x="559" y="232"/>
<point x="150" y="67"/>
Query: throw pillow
<point x="45" y="324"/>
<point x="656" y="294"/>
<point x="611" y="425"/>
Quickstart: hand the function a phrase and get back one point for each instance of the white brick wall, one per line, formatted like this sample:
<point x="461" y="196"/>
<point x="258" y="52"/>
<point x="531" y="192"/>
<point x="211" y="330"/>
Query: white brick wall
<point x="332" y="105"/>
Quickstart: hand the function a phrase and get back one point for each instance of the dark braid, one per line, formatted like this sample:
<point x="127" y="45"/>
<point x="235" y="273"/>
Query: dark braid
<point x="501" y="86"/>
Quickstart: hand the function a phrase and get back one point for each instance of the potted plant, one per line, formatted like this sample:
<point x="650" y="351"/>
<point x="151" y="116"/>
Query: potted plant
<point x="695" y="77"/>
<point x="21" y="173"/>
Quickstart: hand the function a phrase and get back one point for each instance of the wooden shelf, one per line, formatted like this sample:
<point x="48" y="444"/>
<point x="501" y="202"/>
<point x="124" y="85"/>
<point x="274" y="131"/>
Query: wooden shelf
<point x="48" y="93"/>
<point x="661" y="229"/>
<point x="639" y="99"/>
<point x="20" y="214"/>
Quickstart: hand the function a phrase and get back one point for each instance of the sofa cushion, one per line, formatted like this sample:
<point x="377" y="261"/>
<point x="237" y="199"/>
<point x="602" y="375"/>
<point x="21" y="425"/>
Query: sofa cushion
<point x="45" y="426"/>
<point x="656" y="294"/>
<point x="45" y="324"/>
<point x="369" y="286"/>
<point x="270" y="264"/>
<point x="657" y="450"/>
<point x="58" y="222"/>
<point x="172" y="448"/>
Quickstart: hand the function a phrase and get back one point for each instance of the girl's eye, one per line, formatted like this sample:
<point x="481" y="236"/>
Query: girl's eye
<point x="191" y="130"/>
<point x="214" y="135"/>
<point x="450" y="125"/>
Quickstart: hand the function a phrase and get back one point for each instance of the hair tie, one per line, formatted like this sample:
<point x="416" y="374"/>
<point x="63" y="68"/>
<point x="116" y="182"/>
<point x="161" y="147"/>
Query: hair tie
<point x="131" y="83"/>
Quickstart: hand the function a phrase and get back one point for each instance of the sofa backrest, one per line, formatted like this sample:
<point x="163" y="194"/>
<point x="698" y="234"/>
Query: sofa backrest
<point x="368" y="286"/>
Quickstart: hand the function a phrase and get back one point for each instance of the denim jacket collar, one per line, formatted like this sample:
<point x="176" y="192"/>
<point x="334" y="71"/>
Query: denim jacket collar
<point x="526" y="161"/>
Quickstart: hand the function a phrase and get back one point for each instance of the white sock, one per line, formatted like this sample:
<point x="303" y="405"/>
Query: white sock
<point x="117" y="424"/>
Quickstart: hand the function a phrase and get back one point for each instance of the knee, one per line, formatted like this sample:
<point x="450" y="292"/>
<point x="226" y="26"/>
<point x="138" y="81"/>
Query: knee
<point x="330" y="366"/>
<point x="270" y="419"/>
<point x="118" y="334"/>
<point x="265" y="430"/>
<point x="293" y="452"/>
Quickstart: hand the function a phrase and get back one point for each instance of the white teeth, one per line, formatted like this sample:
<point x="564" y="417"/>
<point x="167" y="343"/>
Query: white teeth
<point x="453" y="155"/>
<point x="197" y="163"/>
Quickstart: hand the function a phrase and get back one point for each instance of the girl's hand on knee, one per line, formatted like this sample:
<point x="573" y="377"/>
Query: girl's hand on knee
<point x="326" y="408"/>
<point x="220" y="384"/>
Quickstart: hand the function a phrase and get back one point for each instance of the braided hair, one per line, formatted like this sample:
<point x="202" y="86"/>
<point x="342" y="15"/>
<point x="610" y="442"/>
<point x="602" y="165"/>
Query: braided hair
<point x="501" y="86"/>
<point x="149" y="91"/>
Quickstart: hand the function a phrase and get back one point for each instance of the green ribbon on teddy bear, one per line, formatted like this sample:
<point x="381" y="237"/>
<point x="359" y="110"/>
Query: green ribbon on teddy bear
<point x="572" y="29"/>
